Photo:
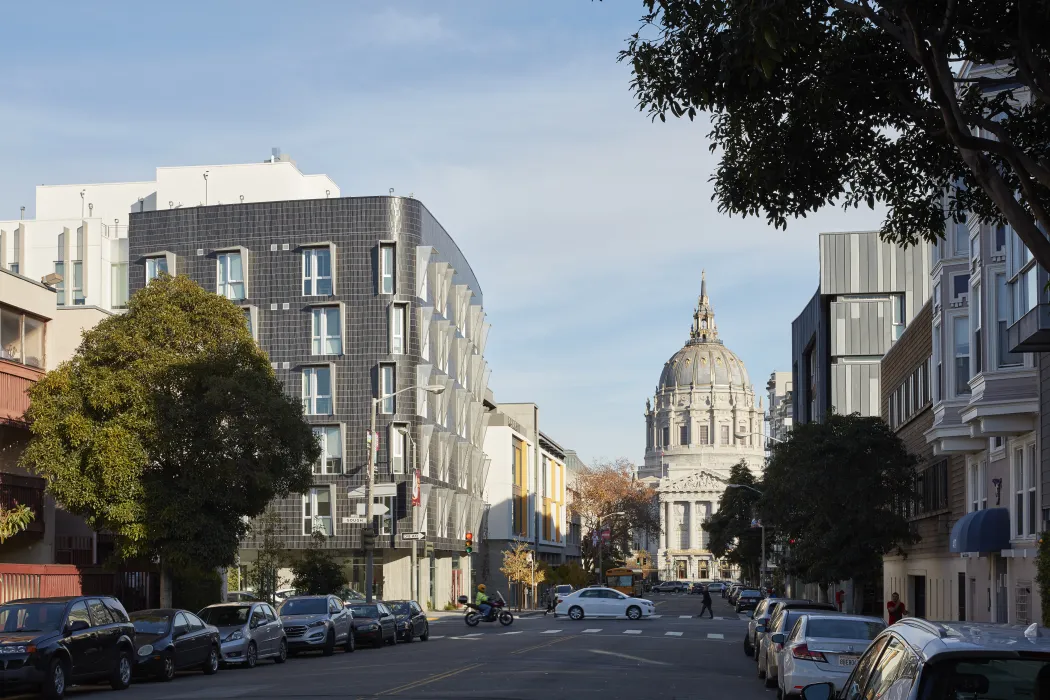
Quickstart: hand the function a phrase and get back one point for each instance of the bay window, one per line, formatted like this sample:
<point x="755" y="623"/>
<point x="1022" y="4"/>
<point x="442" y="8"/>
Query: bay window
<point x="78" y="283"/>
<point x="398" y="441"/>
<point x="386" y="388"/>
<point x="398" y="316"/>
<point x="60" y="285"/>
<point x="21" y="337"/>
<point x="1002" y="322"/>
<point x="155" y="267"/>
<point x="386" y="268"/>
<point x="118" y="285"/>
<point x="975" y="315"/>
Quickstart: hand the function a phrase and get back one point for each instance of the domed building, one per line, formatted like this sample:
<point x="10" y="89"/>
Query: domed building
<point x="702" y="420"/>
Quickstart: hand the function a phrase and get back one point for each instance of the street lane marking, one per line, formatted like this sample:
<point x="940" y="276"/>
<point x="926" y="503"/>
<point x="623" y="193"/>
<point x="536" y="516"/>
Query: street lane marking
<point x="468" y="638"/>
<point x="685" y="617"/>
<point x="713" y="635"/>
<point x="628" y="656"/>
<point x="632" y="631"/>
<point x="672" y="634"/>
<point x="592" y="631"/>
<point x="545" y="644"/>
<point x="518" y="632"/>
<point x="439" y="636"/>
<point x="654" y="617"/>
<point x="428" y="680"/>
<point x="474" y="634"/>
<point x="550" y="632"/>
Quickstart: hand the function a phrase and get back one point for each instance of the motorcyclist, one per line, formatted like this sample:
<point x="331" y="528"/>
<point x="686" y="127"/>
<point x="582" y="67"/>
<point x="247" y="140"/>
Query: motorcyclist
<point x="482" y="601"/>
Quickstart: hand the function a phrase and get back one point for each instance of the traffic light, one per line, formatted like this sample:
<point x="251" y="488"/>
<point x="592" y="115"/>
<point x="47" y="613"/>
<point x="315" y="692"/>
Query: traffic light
<point x="470" y="542"/>
<point x="368" y="538"/>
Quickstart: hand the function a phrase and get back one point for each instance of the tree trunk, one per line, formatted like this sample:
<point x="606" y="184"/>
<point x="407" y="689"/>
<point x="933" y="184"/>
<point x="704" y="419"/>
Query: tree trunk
<point x="165" y="587"/>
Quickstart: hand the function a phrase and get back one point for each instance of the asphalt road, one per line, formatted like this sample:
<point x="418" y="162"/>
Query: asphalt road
<point x="673" y="656"/>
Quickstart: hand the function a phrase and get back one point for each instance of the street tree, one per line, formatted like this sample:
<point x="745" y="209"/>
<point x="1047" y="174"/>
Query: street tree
<point x="518" y="568"/>
<point x="14" y="520"/>
<point x="817" y="102"/>
<point x="169" y="429"/>
<point x="838" y="494"/>
<point x="268" y="531"/>
<point x="317" y="572"/>
<point x="731" y="531"/>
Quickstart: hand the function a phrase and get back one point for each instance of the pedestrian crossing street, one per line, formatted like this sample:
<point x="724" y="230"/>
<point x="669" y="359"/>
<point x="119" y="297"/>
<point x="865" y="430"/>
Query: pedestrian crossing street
<point x="476" y="636"/>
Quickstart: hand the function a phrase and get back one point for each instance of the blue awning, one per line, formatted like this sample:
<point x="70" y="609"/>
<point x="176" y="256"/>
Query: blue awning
<point x="982" y="531"/>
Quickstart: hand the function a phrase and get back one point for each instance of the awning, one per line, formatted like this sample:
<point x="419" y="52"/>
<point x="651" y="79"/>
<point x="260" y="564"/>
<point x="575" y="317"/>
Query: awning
<point x="982" y="531"/>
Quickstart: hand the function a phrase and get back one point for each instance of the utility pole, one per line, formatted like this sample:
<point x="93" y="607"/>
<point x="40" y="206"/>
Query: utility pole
<point x="370" y="479"/>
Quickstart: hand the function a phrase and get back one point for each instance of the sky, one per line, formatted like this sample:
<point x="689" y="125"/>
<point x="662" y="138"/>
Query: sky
<point x="586" y="223"/>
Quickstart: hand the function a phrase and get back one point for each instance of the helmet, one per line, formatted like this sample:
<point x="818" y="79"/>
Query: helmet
<point x="481" y="587"/>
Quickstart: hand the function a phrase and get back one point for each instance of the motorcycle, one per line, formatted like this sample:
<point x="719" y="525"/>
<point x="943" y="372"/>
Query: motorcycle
<point x="497" y="611"/>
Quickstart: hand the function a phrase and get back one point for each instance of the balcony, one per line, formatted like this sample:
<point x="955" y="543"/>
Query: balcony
<point x="16" y="489"/>
<point x="1031" y="333"/>
<point x="15" y="381"/>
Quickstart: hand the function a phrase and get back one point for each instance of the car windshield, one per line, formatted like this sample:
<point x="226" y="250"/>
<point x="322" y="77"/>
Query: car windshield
<point x="150" y="623"/>
<point x="365" y="611"/>
<point x="624" y="581"/>
<point x="31" y="617"/>
<point x="563" y="590"/>
<point x="400" y="608"/>
<point x="843" y="629"/>
<point x="749" y="594"/>
<point x="304" y="606"/>
<point x="226" y="615"/>
<point x="980" y="679"/>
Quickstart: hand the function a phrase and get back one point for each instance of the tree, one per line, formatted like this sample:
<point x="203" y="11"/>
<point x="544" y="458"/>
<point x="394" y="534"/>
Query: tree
<point x="317" y="572"/>
<point x="262" y="574"/>
<point x="518" y="568"/>
<point x="572" y="574"/>
<point x="169" y="429"/>
<point x="838" y="493"/>
<point x="14" y="520"/>
<point x="732" y="534"/>
<point x="814" y="102"/>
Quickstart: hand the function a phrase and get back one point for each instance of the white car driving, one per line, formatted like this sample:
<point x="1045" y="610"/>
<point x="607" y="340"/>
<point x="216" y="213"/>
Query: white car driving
<point x="823" y="648"/>
<point x="599" y="601"/>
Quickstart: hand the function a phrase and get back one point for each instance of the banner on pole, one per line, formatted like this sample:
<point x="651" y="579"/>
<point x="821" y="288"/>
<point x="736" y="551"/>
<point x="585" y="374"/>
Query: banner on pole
<point x="415" y="488"/>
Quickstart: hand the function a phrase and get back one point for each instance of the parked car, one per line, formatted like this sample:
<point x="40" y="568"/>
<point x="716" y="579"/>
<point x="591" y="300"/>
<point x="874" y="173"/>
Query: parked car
<point x="603" y="602"/>
<point x="747" y="599"/>
<point x="316" y="623"/>
<point x="782" y="622"/>
<point x="411" y="620"/>
<point x="698" y="588"/>
<point x="716" y="587"/>
<point x="734" y="593"/>
<point x="347" y="594"/>
<point x="168" y="640"/>
<point x="374" y="623"/>
<point x="669" y="587"/>
<point x="50" y="644"/>
<point x="759" y="618"/>
<point x="249" y="632"/>
<point x="764" y="630"/>
<point x="562" y="590"/>
<point x="961" y="660"/>
<point x="240" y="597"/>
<point x="823" y="648"/>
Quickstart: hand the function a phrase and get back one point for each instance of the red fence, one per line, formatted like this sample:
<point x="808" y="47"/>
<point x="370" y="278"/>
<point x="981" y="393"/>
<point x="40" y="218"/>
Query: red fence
<point x="32" y="581"/>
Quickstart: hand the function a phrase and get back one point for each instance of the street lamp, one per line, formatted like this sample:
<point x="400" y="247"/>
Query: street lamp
<point x="740" y="436"/>
<point x="369" y="532"/>
<point x="601" y="544"/>
<point x="414" y="564"/>
<point x="762" y="568"/>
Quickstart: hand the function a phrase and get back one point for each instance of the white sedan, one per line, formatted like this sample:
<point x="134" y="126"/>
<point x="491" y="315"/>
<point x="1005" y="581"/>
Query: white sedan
<point x="823" y="648"/>
<point x="599" y="601"/>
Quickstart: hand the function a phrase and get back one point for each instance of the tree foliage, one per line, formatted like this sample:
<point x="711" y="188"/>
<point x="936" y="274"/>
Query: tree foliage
<point x="732" y="535"/>
<point x="14" y="520"/>
<point x="1042" y="577"/>
<point x="572" y="573"/>
<point x="268" y="529"/>
<point x="168" y="428"/>
<point x="317" y="572"/>
<point x="814" y="102"/>
<point x="518" y="568"/>
<point x="838" y="495"/>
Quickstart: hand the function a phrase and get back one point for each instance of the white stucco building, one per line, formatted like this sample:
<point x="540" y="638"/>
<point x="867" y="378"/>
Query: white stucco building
<point x="703" y="419"/>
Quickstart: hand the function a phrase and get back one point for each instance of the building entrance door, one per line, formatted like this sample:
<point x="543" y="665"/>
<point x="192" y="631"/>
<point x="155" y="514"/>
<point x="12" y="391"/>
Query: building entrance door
<point x="1001" y="609"/>
<point x="962" y="596"/>
<point x="681" y="569"/>
<point x="918" y="596"/>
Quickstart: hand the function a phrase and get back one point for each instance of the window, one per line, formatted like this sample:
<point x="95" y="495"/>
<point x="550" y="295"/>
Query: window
<point x="231" y="276"/>
<point x="704" y="437"/>
<point x="13" y="266"/>
<point x="397" y="328"/>
<point x="118" y="285"/>
<point x="1000" y="239"/>
<point x="1002" y="322"/>
<point x="1031" y="482"/>
<point x="960" y="289"/>
<point x="317" y="272"/>
<point x="78" y="283"/>
<point x="398" y="440"/>
<point x="1019" y="492"/>
<point x="938" y="368"/>
<point x="154" y="268"/>
<point x="99" y="614"/>
<point x="962" y="236"/>
<point x="683" y="434"/>
<point x="247" y="310"/>
<point x="60" y="285"/>
<point x="666" y="436"/>
<point x="386" y="268"/>
<point x="326" y="331"/>
<point x="21" y="337"/>
<point x="78" y="613"/>
<point x="724" y="434"/>
<point x="937" y="295"/>
<point x="961" y="328"/>
<point x="975" y="254"/>
<point x="978" y="487"/>
<point x="386" y="389"/>
<point x="386" y="520"/>
<point x="975" y="314"/>
<point x="897" y="302"/>
<point x="317" y="511"/>
<point x="520" y="496"/>
<point x="931" y="489"/>
<point x="317" y="391"/>
<point x="330" y="438"/>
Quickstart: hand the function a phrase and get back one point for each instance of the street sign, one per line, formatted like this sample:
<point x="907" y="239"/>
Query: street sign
<point x="414" y="536"/>
<point x="606" y="534"/>
<point x="353" y="520"/>
<point x="377" y="509"/>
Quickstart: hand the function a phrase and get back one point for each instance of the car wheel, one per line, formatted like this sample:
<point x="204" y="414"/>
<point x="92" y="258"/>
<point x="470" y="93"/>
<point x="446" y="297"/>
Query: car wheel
<point x="349" y="646"/>
<point x="212" y="664"/>
<point x="393" y="638"/>
<point x="426" y="633"/>
<point x="576" y="613"/>
<point x="167" y="668"/>
<point x="282" y="653"/>
<point x="634" y="613"/>
<point x="771" y="680"/>
<point x="54" y="686"/>
<point x="329" y="644"/>
<point x="251" y="657"/>
<point x="121" y="678"/>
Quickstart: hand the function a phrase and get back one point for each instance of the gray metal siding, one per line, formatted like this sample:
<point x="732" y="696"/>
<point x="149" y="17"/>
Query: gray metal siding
<point x="810" y="329"/>
<point x="860" y="327"/>
<point x="855" y="388"/>
<point x="862" y="263"/>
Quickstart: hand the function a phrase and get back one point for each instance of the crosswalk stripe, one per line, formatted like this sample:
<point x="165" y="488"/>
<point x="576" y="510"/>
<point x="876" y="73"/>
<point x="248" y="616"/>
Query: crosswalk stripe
<point x="592" y="631"/>
<point x="518" y="632"/>
<point x="474" y="634"/>
<point x="685" y="617"/>
<point x="672" y="634"/>
<point x="550" y="632"/>
<point x="439" y="636"/>
<point x="713" y="635"/>
<point x="632" y="631"/>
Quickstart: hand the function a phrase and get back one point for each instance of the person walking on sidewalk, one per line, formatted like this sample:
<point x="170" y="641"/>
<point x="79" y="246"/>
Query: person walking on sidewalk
<point x="707" y="604"/>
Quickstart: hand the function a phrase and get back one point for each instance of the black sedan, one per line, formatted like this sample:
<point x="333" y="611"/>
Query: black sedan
<point x="374" y="623"/>
<point x="168" y="640"/>
<point x="411" y="620"/>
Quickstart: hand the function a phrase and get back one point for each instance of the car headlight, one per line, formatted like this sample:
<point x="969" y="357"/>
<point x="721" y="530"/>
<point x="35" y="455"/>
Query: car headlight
<point x="371" y="627"/>
<point x="316" y="623"/>
<point x="234" y="636"/>
<point x="14" y="649"/>
<point x="146" y="650"/>
<point x="403" y="625"/>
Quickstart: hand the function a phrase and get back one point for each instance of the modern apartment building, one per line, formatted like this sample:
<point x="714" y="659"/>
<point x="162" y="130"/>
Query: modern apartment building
<point x="779" y="406"/>
<point x="869" y="292"/>
<point x="353" y="299"/>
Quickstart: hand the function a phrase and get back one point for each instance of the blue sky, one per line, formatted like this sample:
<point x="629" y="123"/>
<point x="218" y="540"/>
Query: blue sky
<point x="586" y="224"/>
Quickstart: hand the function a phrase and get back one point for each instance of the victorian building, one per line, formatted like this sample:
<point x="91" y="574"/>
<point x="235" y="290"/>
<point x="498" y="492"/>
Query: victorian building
<point x="702" y="420"/>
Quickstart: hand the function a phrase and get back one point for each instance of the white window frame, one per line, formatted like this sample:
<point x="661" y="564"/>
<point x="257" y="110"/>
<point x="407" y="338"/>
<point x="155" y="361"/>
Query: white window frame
<point x="60" y="285"/>
<point x="324" y="465"/>
<point x="153" y="267"/>
<point x="387" y="276"/>
<point x="225" y="284"/>
<point x="320" y="335"/>
<point x="310" y="274"/>
<point x="960" y="239"/>
<point x="310" y="388"/>
<point x="398" y="442"/>
<point x="78" y="283"/>
<point x="938" y="365"/>
<point x="398" y="324"/>
<point x="1017" y="508"/>
<point x="251" y="317"/>
<point x="310" y="500"/>
<point x="118" y="285"/>
<point x="1032" y="477"/>
<point x="1002" y="323"/>
<point x="977" y="359"/>
<point x="897" y="303"/>
<point x="387" y="386"/>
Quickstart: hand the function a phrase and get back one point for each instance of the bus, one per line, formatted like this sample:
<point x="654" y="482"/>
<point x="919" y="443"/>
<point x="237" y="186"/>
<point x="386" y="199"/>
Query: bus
<point x="626" y="581"/>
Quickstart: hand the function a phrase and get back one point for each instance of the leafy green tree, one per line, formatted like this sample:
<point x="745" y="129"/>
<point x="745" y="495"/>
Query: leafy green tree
<point x="169" y="429"/>
<point x="14" y="520"/>
<point x="814" y="102"/>
<point x="730" y="529"/>
<point x="317" y="572"/>
<point x="268" y="529"/>
<point x="838" y="494"/>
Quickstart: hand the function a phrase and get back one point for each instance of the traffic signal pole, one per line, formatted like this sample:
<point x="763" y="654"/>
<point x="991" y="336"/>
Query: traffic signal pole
<point x="370" y="479"/>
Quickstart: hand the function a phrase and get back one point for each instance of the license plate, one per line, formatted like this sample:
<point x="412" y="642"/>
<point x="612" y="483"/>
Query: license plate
<point x="848" y="660"/>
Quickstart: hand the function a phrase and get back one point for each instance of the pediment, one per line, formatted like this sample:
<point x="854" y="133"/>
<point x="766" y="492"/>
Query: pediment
<point x="694" y="481"/>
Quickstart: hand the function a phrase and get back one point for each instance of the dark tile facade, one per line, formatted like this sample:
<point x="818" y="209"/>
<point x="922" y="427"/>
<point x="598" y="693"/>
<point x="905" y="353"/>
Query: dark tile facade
<point x="809" y="335"/>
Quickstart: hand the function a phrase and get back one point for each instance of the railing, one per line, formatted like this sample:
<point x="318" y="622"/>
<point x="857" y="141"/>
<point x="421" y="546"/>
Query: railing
<point x="37" y="581"/>
<point x="75" y="550"/>
<point x="136" y="590"/>
<point x="16" y="489"/>
<point x="15" y="381"/>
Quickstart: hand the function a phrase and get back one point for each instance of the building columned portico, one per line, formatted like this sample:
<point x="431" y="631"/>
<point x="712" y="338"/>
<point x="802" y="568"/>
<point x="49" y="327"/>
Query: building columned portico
<point x="685" y="503"/>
